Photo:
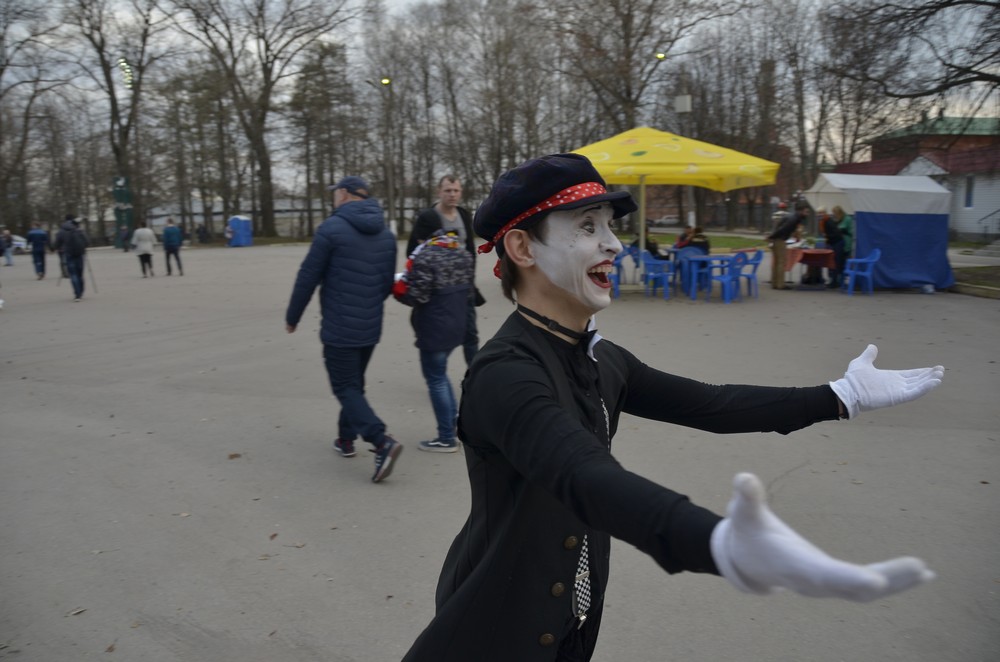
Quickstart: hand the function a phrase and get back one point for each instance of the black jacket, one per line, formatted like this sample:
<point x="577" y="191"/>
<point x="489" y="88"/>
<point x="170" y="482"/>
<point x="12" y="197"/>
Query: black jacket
<point x="787" y="227"/>
<point x="70" y="240"/>
<point x="541" y="480"/>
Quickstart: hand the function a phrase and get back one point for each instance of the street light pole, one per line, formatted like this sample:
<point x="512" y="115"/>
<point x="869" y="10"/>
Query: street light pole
<point x="682" y="106"/>
<point x="121" y="186"/>
<point x="390" y="179"/>
<point x="388" y="153"/>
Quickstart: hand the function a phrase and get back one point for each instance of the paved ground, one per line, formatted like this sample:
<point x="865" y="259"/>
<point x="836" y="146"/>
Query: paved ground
<point x="168" y="491"/>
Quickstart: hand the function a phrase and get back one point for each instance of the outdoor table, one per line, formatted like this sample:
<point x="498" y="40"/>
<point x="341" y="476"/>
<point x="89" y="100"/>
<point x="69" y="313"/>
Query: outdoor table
<point x="812" y="259"/>
<point x="701" y="264"/>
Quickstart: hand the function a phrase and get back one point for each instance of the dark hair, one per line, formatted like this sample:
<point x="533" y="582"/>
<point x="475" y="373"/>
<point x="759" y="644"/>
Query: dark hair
<point x="509" y="274"/>
<point x="449" y="178"/>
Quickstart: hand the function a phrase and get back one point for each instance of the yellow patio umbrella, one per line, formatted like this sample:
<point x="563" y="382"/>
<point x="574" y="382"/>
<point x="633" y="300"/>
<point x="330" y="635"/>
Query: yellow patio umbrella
<point x="644" y="155"/>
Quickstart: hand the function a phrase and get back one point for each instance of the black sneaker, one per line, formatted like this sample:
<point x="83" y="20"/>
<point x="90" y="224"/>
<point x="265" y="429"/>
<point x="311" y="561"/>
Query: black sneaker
<point x="385" y="458"/>
<point x="344" y="446"/>
<point x="439" y="446"/>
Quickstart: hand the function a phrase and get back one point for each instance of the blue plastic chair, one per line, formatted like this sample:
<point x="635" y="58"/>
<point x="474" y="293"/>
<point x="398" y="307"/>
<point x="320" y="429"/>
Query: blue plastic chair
<point x="614" y="280"/>
<point x="752" y="264"/>
<point x="728" y="278"/>
<point x="684" y="271"/>
<point x="656" y="273"/>
<point x="629" y="252"/>
<point x="861" y="267"/>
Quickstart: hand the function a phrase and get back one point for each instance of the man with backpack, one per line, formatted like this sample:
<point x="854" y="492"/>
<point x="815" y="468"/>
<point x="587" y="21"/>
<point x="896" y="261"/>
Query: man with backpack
<point x="448" y="215"/>
<point x="71" y="242"/>
<point x="437" y="284"/>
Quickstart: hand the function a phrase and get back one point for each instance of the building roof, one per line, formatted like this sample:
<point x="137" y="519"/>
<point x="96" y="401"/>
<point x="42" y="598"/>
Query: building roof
<point x="983" y="159"/>
<point x="945" y="126"/>
<point x="889" y="166"/>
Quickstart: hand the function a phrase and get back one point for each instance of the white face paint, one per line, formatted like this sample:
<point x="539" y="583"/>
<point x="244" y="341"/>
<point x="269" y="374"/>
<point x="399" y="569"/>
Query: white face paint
<point x="579" y="252"/>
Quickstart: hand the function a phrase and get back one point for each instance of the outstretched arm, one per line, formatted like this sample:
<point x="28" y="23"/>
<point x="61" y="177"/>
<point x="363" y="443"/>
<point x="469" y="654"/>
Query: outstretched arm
<point x="864" y="387"/>
<point x="759" y="553"/>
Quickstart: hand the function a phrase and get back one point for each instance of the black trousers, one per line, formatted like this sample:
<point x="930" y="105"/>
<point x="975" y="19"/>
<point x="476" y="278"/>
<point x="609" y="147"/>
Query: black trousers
<point x="146" y="261"/>
<point x="176" y="252"/>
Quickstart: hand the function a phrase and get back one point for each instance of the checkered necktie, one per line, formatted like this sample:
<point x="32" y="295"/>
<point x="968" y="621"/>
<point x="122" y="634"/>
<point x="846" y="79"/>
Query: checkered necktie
<point x="581" y="587"/>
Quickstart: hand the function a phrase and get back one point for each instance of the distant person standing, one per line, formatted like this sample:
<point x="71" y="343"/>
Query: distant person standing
<point x="352" y="260"/>
<point x="8" y="248"/>
<point x="123" y="237"/>
<point x="846" y="224"/>
<point x="172" y="240"/>
<point x="71" y="241"/>
<point x="39" y="240"/>
<point x="447" y="215"/>
<point x="834" y="241"/>
<point x="437" y="284"/>
<point x="143" y="241"/>
<point x="788" y="227"/>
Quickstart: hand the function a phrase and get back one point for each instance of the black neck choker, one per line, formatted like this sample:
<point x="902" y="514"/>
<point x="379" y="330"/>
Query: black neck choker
<point x="551" y="325"/>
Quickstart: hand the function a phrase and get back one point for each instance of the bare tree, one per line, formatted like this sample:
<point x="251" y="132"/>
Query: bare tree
<point x="124" y="42"/>
<point x="929" y="47"/>
<point x="323" y="122"/>
<point x="26" y="76"/>
<point x="257" y="45"/>
<point x="618" y="46"/>
<point x="855" y="110"/>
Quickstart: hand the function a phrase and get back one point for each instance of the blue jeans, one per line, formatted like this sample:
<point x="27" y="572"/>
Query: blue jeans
<point x="38" y="257"/>
<point x="346" y="368"/>
<point x="8" y="254"/>
<point x="176" y="252"/>
<point x="74" y="267"/>
<point x="434" y="365"/>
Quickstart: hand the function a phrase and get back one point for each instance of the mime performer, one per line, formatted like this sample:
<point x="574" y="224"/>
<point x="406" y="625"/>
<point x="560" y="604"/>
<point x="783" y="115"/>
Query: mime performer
<point x="525" y="578"/>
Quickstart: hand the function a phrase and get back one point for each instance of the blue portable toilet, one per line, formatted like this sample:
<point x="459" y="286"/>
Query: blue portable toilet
<point x="906" y="217"/>
<point x="241" y="231"/>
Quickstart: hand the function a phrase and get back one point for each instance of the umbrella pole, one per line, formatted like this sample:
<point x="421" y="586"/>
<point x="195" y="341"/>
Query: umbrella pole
<point x="642" y="213"/>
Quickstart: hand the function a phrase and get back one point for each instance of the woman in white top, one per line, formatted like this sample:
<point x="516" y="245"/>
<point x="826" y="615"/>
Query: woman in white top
<point x="143" y="241"/>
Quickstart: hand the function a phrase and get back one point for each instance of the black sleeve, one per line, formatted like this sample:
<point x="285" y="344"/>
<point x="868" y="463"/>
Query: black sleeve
<point x="509" y="406"/>
<point x="725" y="408"/>
<point x="470" y="235"/>
<point x="424" y="227"/>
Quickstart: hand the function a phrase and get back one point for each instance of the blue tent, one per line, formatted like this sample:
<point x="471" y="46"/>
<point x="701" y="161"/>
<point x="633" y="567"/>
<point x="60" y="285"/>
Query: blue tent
<point x="242" y="231"/>
<point x="905" y="217"/>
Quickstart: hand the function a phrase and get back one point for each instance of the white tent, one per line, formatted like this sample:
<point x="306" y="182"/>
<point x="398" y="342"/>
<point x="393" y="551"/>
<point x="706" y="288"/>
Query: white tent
<point x="905" y="195"/>
<point x="904" y="217"/>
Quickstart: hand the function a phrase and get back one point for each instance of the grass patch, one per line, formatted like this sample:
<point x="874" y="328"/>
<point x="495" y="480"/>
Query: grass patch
<point x="988" y="276"/>
<point x="719" y="243"/>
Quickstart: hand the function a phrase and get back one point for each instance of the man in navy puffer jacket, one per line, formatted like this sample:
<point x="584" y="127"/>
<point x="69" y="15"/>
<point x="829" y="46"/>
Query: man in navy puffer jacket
<point x="353" y="260"/>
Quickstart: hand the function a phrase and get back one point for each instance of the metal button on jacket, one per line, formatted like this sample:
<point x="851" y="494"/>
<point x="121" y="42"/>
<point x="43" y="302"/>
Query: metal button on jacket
<point x="558" y="589"/>
<point x="571" y="542"/>
<point x="547" y="639"/>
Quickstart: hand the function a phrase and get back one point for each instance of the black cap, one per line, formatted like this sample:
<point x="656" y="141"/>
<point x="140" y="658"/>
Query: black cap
<point x="550" y="183"/>
<point x="354" y="186"/>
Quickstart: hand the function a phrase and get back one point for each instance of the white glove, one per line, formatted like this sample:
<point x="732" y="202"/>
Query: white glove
<point x="759" y="553"/>
<point x="864" y="387"/>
